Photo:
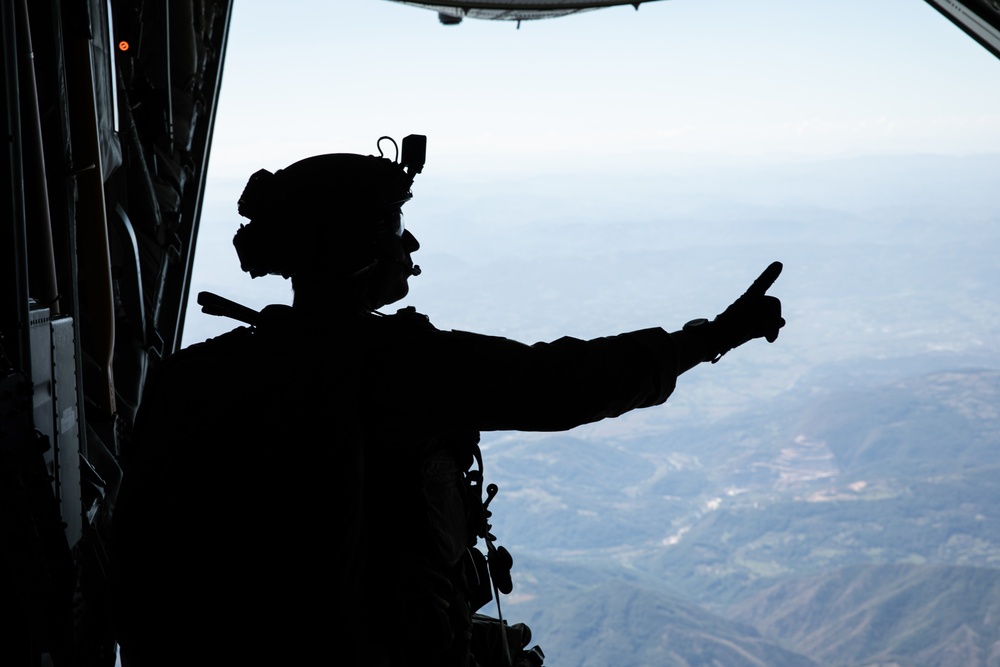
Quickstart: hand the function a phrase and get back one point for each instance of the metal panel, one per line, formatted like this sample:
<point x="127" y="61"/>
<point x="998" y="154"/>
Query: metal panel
<point x="65" y="418"/>
<point x="55" y="411"/>
<point x="41" y="377"/>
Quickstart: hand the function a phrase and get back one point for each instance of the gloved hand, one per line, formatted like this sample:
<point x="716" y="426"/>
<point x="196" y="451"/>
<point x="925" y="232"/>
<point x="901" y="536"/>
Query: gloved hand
<point x="753" y="315"/>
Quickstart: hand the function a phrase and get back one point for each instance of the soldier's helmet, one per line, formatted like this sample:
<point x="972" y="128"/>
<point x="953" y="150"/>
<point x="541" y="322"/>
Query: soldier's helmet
<point x="324" y="213"/>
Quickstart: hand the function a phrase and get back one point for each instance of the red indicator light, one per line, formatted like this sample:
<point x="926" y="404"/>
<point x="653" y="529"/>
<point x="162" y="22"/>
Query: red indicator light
<point x="123" y="45"/>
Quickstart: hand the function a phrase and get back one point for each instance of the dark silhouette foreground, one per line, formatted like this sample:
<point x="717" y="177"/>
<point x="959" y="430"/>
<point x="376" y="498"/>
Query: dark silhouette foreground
<point x="309" y="488"/>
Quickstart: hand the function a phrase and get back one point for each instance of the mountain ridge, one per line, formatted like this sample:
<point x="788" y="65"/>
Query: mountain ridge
<point x="868" y="613"/>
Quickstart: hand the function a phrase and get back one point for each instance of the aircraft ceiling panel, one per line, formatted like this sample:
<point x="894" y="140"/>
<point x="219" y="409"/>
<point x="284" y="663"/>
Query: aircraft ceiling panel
<point x="979" y="18"/>
<point x="515" y="10"/>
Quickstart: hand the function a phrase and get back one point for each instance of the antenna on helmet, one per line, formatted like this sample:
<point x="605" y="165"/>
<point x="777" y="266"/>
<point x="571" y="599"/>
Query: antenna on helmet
<point x="381" y="153"/>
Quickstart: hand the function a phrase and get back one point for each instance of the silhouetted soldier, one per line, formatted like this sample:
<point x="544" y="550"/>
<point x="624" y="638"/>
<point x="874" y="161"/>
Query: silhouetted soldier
<point x="310" y="487"/>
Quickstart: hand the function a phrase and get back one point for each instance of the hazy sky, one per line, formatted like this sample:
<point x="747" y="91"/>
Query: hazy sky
<point x="678" y="82"/>
<point x="720" y="76"/>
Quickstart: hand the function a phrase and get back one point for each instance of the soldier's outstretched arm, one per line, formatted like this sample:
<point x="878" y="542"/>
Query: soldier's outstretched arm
<point x="464" y="380"/>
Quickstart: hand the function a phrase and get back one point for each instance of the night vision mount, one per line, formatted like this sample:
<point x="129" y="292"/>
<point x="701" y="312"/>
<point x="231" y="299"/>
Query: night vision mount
<point x="413" y="155"/>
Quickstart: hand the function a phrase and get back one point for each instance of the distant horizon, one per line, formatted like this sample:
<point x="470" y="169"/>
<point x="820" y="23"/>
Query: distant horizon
<point x="555" y="163"/>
